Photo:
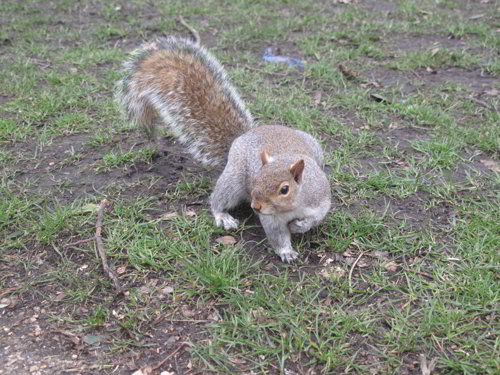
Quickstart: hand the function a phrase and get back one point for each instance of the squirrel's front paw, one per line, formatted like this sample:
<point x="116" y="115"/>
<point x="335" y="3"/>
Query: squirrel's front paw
<point x="299" y="226"/>
<point x="226" y="220"/>
<point x="287" y="255"/>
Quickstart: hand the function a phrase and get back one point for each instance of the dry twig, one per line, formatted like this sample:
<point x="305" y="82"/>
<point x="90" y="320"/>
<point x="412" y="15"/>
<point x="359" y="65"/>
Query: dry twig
<point x="352" y="269"/>
<point x="193" y="31"/>
<point x="149" y="369"/>
<point x="100" y="247"/>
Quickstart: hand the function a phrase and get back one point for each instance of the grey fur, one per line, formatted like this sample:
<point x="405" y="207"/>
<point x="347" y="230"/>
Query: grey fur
<point x="244" y="178"/>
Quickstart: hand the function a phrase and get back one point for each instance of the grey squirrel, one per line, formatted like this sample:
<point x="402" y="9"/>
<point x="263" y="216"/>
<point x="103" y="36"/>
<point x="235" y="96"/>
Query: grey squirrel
<point x="176" y="83"/>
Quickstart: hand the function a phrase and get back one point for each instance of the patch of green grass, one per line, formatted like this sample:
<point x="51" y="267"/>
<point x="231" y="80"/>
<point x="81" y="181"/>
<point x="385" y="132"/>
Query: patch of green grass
<point x="437" y="58"/>
<point x="122" y="159"/>
<point x="58" y="221"/>
<point x="409" y="201"/>
<point x="199" y="187"/>
<point x="100" y="138"/>
<point x="69" y="123"/>
<point x="423" y="113"/>
<point x="11" y="131"/>
<point x="439" y="152"/>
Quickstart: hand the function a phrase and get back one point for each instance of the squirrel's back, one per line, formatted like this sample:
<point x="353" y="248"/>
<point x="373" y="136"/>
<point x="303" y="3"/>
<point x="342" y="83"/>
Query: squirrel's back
<point x="183" y="86"/>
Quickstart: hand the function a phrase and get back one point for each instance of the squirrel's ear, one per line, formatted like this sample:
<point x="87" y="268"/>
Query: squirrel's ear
<point x="264" y="158"/>
<point x="296" y="170"/>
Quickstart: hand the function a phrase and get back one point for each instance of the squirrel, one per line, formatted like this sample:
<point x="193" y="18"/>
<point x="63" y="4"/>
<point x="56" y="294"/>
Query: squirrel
<point x="176" y="83"/>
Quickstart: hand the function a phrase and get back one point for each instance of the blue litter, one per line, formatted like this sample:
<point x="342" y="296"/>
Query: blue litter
<point x="269" y="56"/>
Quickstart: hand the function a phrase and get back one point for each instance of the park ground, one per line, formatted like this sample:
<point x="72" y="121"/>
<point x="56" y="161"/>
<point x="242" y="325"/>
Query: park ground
<point x="402" y="277"/>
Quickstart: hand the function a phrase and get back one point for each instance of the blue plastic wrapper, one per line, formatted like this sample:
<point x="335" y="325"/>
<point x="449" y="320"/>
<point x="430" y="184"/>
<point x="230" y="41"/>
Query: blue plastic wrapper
<point x="291" y="61"/>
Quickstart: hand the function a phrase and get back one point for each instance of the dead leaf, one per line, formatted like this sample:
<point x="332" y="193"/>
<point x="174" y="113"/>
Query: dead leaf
<point x="168" y="215"/>
<point x="427" y="367"/>
<point x="434" y="51"/>
<point x="9" y="302"/>
<point x="237" y="361"/>
<point x="93" y="339"/>
<point x="339" y="272"/>
<point x="336" y="272"/>
<point x="74" y="338"/>
<point x="121" y="269"/>
<point x="391" y="266"/>
<point x="372" y="84"/>
<point x="59" y="296"/>
<point x="379" y="98"/>
<point x="187" y="313"/>
<point x="259" y="314"/>
<point x="167" y="290"/>
<point x="226" y="240"/>
<point x="347" y="253"/>
<point x="477" y="16"/>
<point x="380" y="254"/>
<point x="213" y="316"/>
<point x="328" y="261"/>
<point x="144" y="289"/>
<point x="317" y="97"/>
<point x="492" y="92"/>
<point x="362" y="264"/>
<point x="324" y="273"/>
<point x="190" y="213"/>
<point x="90" y="207"/>
<point x="348" y="73"/>
<point x="491" y="164"/>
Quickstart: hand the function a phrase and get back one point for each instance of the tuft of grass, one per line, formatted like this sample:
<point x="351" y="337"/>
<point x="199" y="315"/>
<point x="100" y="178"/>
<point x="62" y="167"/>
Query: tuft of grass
<point x="439" y="152"/>
<point x="122" y="159"/>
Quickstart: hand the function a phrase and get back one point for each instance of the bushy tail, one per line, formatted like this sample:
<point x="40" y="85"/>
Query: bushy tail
<point x="174" y="82"/>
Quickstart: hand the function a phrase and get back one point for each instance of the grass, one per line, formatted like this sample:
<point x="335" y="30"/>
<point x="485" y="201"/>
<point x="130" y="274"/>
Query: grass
<point x="405" y="264"/>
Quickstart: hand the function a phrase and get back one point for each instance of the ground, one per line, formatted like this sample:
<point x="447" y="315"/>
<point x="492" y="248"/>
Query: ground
<point x="401" y="277"/>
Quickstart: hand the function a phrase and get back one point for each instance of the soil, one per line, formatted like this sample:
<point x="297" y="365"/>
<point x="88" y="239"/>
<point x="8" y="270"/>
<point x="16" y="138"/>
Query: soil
<point x="32" y="343"/>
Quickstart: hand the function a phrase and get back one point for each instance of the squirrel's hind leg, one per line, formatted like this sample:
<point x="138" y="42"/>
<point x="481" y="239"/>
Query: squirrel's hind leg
<point x="229" y="191"/>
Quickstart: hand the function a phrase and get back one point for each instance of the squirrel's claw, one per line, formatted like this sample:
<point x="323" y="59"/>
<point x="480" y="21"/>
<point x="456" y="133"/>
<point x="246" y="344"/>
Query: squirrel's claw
<point x="226" y="220"/>
<point x="287" y="255"/>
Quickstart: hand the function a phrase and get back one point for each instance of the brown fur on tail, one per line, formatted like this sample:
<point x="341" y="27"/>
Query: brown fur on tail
<point x="182" y="85"/>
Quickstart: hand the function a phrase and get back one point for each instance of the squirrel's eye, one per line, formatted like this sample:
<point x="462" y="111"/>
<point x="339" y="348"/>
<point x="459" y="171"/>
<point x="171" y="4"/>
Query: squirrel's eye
<point x="284" y="190"/>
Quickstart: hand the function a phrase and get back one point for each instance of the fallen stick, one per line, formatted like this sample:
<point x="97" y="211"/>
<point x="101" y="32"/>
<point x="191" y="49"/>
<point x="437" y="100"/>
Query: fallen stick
<point x="193" y="31"/>
<point x="147" y="370"/>
<point x="352" y="269"/>
<point x="100" y="247"/>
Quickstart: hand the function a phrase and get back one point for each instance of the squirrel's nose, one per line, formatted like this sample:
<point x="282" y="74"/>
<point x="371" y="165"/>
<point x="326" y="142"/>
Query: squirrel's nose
<point x="256" y="206"/>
